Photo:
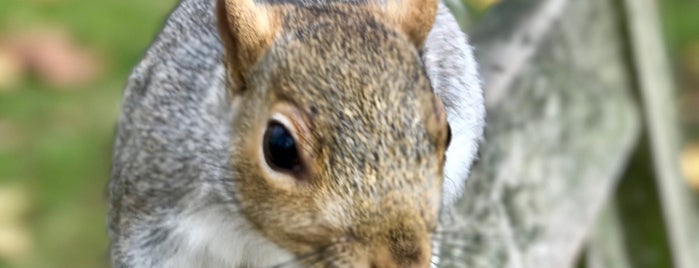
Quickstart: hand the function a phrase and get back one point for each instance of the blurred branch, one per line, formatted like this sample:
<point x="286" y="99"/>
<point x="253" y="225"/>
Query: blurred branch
<point x="657" y="90"/>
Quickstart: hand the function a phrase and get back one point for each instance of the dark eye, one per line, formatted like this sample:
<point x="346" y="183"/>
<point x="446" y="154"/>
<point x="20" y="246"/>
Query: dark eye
<point x="448" y="135"/>
<point x="280" y="148"/>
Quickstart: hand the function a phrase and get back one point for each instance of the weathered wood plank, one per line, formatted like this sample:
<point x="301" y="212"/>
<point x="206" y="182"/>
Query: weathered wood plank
<point x="512" y="38"/>
<point x="559" y="132"/>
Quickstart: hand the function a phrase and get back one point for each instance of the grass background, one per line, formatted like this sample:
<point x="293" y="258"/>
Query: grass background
<point x="55" y="143"/>
<point x="61" y="138"/>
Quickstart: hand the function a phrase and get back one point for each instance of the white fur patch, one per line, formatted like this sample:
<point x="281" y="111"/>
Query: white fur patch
<point x="212" y="239"/>
<point x="452" y="70"/>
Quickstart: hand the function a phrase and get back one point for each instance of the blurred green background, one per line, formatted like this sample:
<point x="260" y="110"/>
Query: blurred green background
<point x="63" y="66"/>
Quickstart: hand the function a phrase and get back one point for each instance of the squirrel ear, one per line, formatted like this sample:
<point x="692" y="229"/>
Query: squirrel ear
<point x="247" y="30"/>
<point x="413" y="17"/>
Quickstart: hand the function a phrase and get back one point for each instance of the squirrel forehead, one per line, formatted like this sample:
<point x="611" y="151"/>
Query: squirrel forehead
<point x="353" y="65"/>
<point x="344" y="29"/>
<point x="353" y="71"/>
<point x="342" y="47"/>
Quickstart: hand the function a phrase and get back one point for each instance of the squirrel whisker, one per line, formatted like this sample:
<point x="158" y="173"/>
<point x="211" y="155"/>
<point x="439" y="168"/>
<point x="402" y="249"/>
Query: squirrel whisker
<point x="314" y="257"/>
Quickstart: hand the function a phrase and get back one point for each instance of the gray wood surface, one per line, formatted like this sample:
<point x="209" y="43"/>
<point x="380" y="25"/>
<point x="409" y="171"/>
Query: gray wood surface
<point x="561" y="126"/>
<point x="606" y="248"/>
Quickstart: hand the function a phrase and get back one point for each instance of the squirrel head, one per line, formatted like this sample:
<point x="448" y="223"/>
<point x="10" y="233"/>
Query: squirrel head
<point x="339" y="140"/>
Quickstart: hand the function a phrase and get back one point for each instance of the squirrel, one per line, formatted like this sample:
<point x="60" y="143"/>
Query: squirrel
<point x="294" y="133"/>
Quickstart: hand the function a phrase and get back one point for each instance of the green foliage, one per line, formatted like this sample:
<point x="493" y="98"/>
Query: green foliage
<point x="62" y="149"/>
<point x="680" y="21"/>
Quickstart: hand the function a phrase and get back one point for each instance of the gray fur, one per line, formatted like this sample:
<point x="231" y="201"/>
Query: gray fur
<point x="172" y="143"/>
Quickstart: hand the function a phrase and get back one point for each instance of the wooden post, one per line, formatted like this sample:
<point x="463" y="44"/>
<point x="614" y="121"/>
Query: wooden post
<point x="657" y="93"/>
<point x="561" y="126"/>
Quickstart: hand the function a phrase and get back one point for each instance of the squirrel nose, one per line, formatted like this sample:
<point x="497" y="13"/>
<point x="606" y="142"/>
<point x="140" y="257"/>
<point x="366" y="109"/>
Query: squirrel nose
<point x="384" y="257"/>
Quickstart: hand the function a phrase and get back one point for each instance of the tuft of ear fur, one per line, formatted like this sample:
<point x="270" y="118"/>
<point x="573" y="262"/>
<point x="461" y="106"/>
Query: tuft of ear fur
<point x="413" y="17"/>
<point x="247" y="31"/>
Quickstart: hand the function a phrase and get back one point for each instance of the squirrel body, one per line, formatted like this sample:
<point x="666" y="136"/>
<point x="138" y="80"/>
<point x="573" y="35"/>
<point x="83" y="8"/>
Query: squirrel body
<point x="258" y="134"/>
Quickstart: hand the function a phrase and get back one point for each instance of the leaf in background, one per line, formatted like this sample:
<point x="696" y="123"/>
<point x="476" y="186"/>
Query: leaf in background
<point x="690" y="164"/>
<point x="15" y="239"/>
<point x="482" y="5"/>
<point x="12" y="69"/>
<point x="57" y="59"/>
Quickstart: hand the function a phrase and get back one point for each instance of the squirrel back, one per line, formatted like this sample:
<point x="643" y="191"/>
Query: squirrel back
<point x="285" y="134"/>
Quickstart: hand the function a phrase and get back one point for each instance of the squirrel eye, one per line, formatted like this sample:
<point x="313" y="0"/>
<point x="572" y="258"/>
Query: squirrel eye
<point x="280" y="148"/>
<point x="448" y="135"/>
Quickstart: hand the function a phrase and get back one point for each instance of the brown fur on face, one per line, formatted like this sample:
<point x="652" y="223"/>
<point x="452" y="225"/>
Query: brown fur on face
<point x="371" y="133"/>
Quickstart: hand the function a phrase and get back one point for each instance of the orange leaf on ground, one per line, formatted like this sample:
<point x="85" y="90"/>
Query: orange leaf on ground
<point x="57" y="59"/>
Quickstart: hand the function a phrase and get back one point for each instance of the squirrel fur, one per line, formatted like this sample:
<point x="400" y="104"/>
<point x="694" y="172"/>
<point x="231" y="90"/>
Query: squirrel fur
<point x="369" y="90"/>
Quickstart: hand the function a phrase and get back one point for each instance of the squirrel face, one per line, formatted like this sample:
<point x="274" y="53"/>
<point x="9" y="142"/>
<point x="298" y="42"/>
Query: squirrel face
<point x="339" y="140"/>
